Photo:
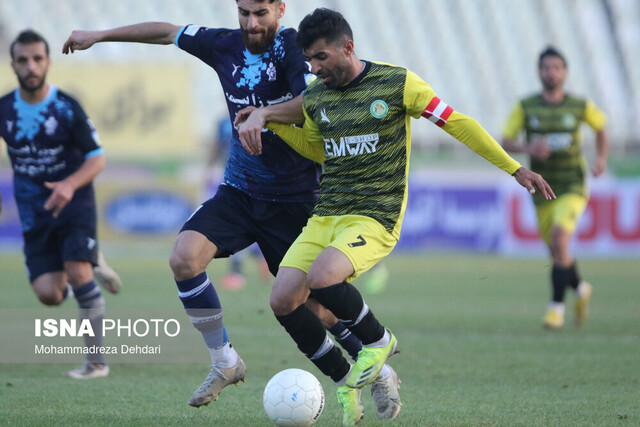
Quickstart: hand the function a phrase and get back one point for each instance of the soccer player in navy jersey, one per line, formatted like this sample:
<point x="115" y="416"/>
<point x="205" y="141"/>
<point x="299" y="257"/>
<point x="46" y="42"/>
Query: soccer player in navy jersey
<point x="55" y="154"/>
<point x="265" y="198"/>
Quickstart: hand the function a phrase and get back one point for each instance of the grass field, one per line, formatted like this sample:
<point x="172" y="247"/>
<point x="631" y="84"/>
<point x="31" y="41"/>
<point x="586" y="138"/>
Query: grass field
<point x="473" y="351"/>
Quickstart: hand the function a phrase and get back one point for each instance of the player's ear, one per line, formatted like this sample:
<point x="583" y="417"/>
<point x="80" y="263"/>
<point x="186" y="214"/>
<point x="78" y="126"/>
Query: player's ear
<point x="347" y="48"/>
<point x="281" y="9"/>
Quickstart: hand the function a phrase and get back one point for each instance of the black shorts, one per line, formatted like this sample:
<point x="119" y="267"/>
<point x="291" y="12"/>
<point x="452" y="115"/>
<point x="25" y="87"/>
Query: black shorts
<point x="232" y="220"/>
<point x="71" y="237"/>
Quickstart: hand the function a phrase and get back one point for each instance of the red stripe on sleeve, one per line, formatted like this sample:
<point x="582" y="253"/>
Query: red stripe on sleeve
<point x="446" y="113"/>
<point x="432" y="105"/>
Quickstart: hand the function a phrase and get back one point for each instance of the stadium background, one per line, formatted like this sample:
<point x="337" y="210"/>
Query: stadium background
<point x="156" y="109"/>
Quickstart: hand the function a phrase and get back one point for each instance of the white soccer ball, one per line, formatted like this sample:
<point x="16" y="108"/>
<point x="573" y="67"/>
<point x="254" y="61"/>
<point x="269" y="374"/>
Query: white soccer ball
<point x="293" y="397"/>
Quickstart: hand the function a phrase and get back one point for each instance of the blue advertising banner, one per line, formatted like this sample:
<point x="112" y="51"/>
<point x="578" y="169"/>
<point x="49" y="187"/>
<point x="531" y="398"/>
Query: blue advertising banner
<point x="452" y="217"/>
<point x="10" y="230"/>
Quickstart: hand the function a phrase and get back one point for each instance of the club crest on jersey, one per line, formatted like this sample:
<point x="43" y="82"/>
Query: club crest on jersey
<point x="379" y="109"/>
<point x="50" y="126"/>
<point x="568" y="121"/>
<point x="534" y="123"/>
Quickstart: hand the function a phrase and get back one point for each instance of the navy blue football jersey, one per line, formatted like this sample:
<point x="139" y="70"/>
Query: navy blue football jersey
<point x="46" y="142"/>
<point x="279" y="74"/>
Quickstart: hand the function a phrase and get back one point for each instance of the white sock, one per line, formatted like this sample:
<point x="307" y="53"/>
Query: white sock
<point x="558" y="307"/>
<point x="224" y="357"/>
<point x="580" y="289"/>
<point x="382" y="342"/>
<point x="385" y="372"/>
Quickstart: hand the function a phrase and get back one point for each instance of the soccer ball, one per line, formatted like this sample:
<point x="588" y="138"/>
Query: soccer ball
<point x="293" y="397"/>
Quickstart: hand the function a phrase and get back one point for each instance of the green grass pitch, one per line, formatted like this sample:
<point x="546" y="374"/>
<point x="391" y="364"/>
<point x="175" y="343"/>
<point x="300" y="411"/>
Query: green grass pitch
<point x="473" y="352"/>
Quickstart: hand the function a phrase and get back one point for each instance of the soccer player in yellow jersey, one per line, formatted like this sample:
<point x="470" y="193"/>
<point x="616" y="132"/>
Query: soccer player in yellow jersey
<point x="552" y="120"/>
<point x="356" y="122"/>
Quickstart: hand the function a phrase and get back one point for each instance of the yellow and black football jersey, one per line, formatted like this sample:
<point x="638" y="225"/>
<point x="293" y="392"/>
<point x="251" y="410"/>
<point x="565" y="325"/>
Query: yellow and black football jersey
<point x="362" y="133"/>
<point x="565" y="168"/>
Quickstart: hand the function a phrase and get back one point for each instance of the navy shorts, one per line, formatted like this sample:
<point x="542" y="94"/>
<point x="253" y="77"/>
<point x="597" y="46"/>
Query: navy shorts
<point x="233" y="220"/>
<point x="71" y="237"/>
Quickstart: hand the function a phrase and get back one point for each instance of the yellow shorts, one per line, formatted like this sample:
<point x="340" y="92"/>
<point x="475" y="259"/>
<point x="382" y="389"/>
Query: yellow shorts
<point x="361" y="238"/>
<point x="564" y="212"/>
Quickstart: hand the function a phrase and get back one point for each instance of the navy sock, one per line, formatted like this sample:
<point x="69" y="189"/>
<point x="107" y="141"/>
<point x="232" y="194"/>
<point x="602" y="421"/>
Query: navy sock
<point x="346" y="339"/>
<point x="201" y="302"/>
<point x="91" y="305"/>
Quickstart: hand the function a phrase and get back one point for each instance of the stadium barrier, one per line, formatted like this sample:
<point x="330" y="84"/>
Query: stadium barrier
<point x="488" y="213"/>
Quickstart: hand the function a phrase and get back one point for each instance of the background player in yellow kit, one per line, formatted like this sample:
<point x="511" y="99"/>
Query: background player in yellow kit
<point x="551" y="120"/>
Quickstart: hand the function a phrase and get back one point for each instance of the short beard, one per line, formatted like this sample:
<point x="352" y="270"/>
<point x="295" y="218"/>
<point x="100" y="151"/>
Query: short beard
<point x="257" y="47"/>
<point x="28" y="88"/>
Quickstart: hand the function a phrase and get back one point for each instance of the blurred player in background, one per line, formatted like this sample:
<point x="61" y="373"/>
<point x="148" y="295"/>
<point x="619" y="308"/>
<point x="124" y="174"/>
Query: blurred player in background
<point x="217" y="156"/>
<point x="551" y="120"/>
<point x="265" y="198"/>
<point x="55" y="155"/>
<point x="357" y="117"/>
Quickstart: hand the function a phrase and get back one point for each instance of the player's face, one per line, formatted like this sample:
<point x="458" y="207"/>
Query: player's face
<point x="330" y="62"/>
<point x="552" y="72"/>
<point x="259" y="23"/>
<point x="30" y="63"/>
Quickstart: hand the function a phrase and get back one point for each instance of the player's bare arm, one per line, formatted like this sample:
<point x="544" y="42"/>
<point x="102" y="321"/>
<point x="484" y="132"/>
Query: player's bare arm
<point x="250" y="121"/>
<point x="63" y="190"/>
<point x="602" y="148"/>
<point x="145" y="32"/>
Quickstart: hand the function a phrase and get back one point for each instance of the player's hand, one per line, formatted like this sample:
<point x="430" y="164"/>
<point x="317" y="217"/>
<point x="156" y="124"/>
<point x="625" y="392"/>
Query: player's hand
<point x="250" y="130"/>
<point x="243" y="115"/>
<point x="59" y="198"/>
<point x="600" y="166"/>
<point x="80" y="40"/>
<point x="531" y="180"/>
<point x="539" y="148"/>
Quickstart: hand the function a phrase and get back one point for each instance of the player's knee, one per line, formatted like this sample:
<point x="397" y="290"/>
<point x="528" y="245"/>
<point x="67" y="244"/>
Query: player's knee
<point x="317" y="280"/>
<point x="281" y="304"/>
<point x="50" y="298"/>
<point x="184" y="266"/>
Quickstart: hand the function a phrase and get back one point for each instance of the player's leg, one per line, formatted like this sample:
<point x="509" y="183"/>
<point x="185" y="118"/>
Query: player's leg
<point x="285" y="223"/>
<point x="327" y="282"/>
<point x="91" y="306"/>
<point x="45" y="268"/>
<point x="51" y="288"/>
<point x="554" y="316"/>
<point x="384" y="389"/>
<point x="290" y="291"/>
<point x="357" y="244"/>
<point x="565" y="220"/>
<point x="558" y="220"/>
<point x="79" y="251"/>
<point x="341" y="334"/>
<point x="211" y="232"/>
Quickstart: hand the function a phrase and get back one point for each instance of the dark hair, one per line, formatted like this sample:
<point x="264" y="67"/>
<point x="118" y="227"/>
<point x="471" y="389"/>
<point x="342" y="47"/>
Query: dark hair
<point x="323" y="24"/>
<point x="551" y="51"/>
<point x="28" y="37"/>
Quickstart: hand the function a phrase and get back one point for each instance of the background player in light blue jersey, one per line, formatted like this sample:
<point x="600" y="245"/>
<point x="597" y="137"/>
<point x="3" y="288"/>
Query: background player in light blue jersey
<point x="55" y="155"/>
<point x="265" y="198"/>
